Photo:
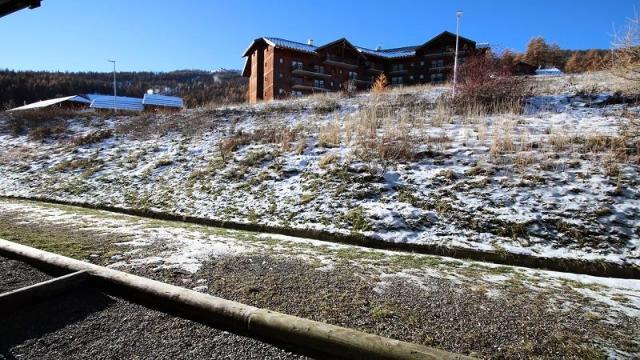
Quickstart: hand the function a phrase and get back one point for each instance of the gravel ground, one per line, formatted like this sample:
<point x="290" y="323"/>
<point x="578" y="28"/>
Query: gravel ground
<point x="90" y="325"/>
<point x="16" y="274"/>
<point x="519" y="324"/>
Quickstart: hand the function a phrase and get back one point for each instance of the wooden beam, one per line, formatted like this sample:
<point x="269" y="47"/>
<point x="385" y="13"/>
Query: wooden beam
<point x="42" y="291"/>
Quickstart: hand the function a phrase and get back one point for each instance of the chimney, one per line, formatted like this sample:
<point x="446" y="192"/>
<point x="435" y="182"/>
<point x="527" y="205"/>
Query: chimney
<point x="310" y="42"/>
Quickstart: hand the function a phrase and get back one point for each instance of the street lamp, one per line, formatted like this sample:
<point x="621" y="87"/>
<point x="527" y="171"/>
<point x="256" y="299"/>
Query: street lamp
<point x="455" y="59"/>
<point x="114" y="86"/>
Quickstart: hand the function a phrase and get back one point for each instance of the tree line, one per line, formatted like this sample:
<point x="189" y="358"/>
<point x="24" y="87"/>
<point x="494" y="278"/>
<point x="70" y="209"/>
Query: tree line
<point x="539" y="53"/>
<point x="196" y="87"/>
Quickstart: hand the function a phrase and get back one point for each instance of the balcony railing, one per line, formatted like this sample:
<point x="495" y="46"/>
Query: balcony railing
<point x="443" y="67"/>
<point x="340" y="62"/>
<point x="309" y="71"/>
<point x="301" y="84"/>
<point x="445" y="53"/>
<point x="398" y="71"/>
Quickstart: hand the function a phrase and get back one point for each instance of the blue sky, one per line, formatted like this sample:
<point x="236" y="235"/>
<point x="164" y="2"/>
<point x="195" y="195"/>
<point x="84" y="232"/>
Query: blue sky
<point x="163" y="35"/>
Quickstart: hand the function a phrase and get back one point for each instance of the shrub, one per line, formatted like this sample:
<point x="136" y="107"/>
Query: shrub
<point x="485" y="86"/>
<point x="93" y="137"/>
<point x="381" y="84"/>
<point x="329" y="135"/>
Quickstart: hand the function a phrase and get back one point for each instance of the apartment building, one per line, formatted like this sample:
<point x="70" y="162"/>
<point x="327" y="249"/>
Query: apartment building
<point x="279" y="68"/>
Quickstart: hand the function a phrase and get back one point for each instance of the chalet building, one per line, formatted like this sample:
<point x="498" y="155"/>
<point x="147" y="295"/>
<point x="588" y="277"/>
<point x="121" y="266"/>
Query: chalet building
<point x="279" y="68"/>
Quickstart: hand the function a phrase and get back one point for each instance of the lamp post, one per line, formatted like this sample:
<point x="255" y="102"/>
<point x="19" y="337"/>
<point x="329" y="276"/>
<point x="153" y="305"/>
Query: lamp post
<point x="114" y="86"/>
<point x="455" y="59"/>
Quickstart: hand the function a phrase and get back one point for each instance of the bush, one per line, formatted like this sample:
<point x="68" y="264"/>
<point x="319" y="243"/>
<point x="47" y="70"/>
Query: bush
<point x="93" y="137"/>
<point x="381" y="84"/>
<point x="485" y="86"/>
<point x="38" y="124"/>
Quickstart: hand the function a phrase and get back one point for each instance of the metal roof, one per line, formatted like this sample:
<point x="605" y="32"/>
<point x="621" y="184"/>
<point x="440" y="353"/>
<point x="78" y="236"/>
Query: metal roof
<point x="119" y="103"/>
<point x="394" y="53"/>
<point x="294" y="45"/>
<point x="288" y="44"/>
<point x="161" y="100"/>
<point x="46" y="103"/>
<point x="390" y="53"/>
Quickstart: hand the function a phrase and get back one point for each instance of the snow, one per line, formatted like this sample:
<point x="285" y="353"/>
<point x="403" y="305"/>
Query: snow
<point x="569" y="207"/>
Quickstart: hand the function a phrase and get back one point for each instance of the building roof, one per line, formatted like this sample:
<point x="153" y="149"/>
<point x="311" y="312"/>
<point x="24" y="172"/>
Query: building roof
<point x="549" y="72"/>
<point x="394" y="53"/>
<point x="9" y="6"/>
<point x="50" y="102"/>
<point x="162" y="100"/>
<point x="119" y="103"/>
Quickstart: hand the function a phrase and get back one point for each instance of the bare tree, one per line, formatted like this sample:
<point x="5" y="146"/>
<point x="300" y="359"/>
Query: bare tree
<point x="625" y="54"/>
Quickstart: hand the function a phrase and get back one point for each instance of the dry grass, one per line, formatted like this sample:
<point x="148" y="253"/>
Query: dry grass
<point x="329" y="135"/>
<point x="327" y="160"/>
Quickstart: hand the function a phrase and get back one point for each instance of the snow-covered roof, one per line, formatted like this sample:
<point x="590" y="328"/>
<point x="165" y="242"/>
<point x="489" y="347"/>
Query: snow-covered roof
<point x="46" y="103"/>
<point x="162" y="100"/>
<point x="119" y="103"/>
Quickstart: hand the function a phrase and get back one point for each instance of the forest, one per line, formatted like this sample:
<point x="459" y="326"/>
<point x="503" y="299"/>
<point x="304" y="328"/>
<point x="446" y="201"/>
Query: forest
<point x="196" y="87"/>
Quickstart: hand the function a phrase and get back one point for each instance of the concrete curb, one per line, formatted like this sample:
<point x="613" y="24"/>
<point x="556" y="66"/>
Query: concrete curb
<point x="577" y="266"/>
<point x="307" y="334"/>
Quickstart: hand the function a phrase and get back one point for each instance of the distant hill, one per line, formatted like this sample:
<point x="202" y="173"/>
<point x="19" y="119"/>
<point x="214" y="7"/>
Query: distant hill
<point x="197" y="87"/>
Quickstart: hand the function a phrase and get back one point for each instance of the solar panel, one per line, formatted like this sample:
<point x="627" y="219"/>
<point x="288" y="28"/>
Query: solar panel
<point x="162" y="100"/>
<point x="119" y="103"/>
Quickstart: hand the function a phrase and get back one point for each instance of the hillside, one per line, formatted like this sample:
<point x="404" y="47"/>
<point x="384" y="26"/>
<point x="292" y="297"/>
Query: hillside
<point x="197" y="87"/>
<point x="559" y="181"/>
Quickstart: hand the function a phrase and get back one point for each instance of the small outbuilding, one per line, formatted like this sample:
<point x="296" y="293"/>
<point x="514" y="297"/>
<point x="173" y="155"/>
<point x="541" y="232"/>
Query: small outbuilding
<point x="549" y="72"/>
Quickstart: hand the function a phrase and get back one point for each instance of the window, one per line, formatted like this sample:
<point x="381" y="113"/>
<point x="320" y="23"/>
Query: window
<point x="410" y="77"/>
<point x="319" y="69"/>
<point x="437" y="78"/>
<point x="296" y="64"/>
<point x="397" y="67"/>
<point x="396" y="80"/>
<point x="332" y="84"/>
<point x="421" y="63"/>
<point x="421" y="76"/>
<point x="281" y="91"/>
<point x="280" y="75"/>
<point x="281" y="61"/>
<point x="353" y="75"/>
<point x="412" y="64"/>
<point x="318" y="83"/>
<point x="296" y="93"/>
<point x="435" y="64"/>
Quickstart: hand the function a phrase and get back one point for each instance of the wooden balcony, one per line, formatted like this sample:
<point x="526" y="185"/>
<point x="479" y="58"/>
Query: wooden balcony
<point x="300" y="84"/>
<point x="398" y="72"/>
<point x="340" y="62"/>
<point x="440" y="68"/>
<point x="309" y="71"/>
<point x="445" y="53"/>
